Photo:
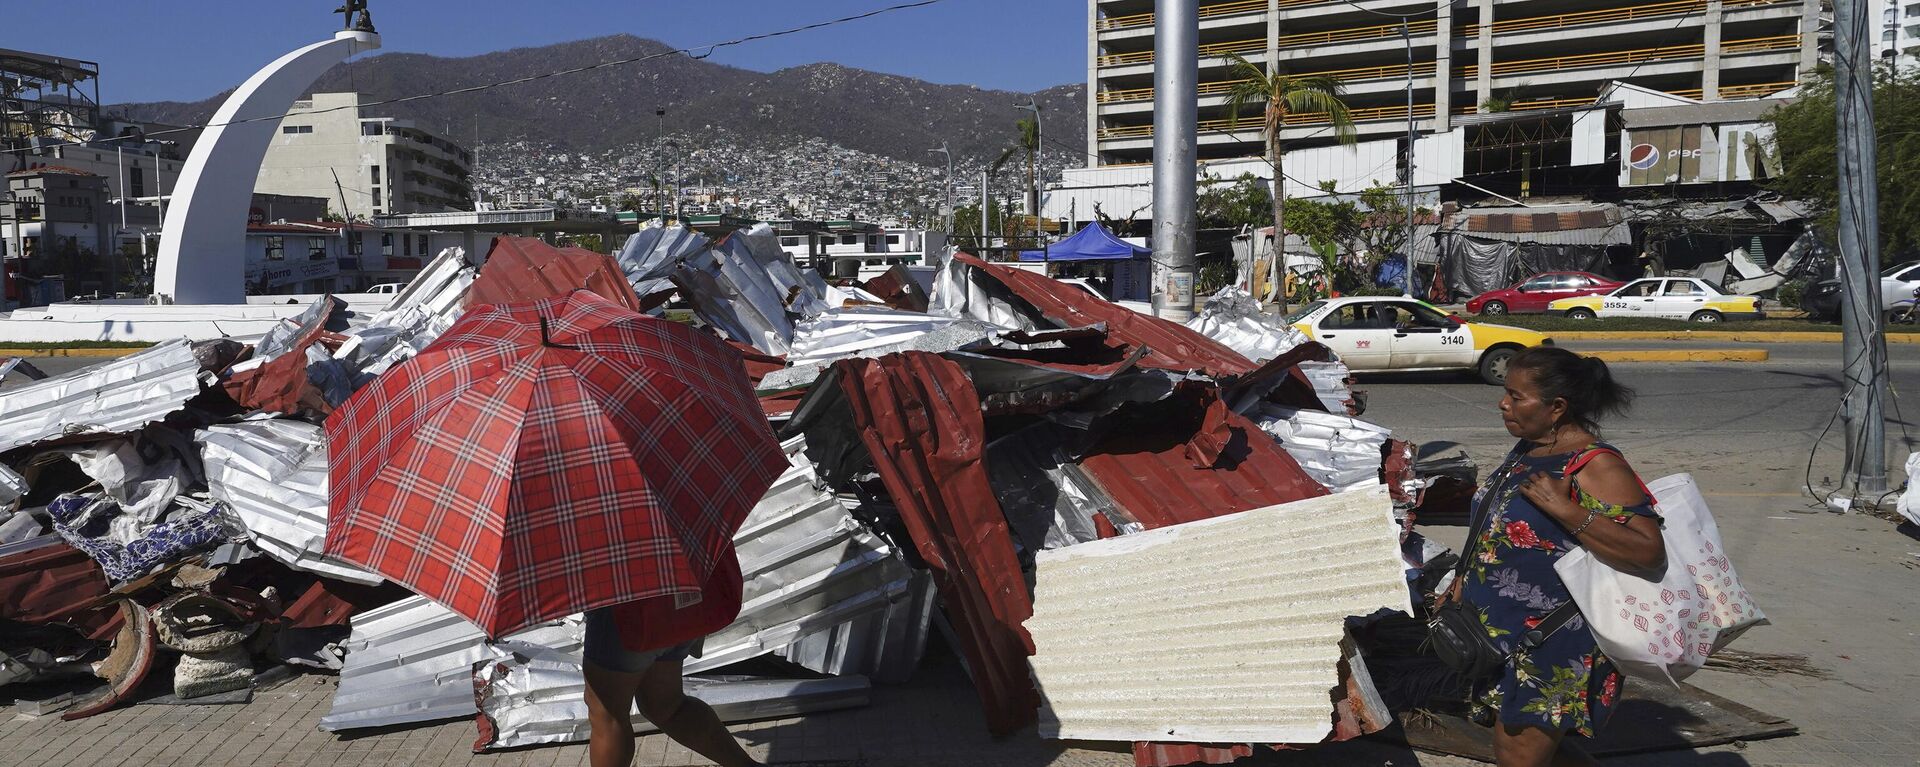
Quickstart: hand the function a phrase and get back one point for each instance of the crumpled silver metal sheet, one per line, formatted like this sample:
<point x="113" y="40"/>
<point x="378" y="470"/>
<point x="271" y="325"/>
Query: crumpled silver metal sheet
<point x="868" y="332"/>
<point x="1339" y="451"/>
<point x="808" y="565"/>
<point x="13" y="487"/>
<point x="144" y="484"/>
<point x="649" y="256"/>
<point x="418" y="314"/>
<point x="749" y="288"/>
<point x="1234" y="318"/>
<point x="410" y="661"/>
<point x="273" y="472"/>
<point x="958" y="293"/>
<point x="1329" y="383"/>
<point x="111" y="398"/>
<point x="531" y="692"/>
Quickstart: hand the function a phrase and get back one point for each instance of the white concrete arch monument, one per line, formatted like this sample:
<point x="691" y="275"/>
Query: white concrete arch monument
<point x="202" y="256"/>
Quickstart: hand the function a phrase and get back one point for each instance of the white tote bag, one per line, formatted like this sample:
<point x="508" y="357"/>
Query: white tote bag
<point x="1665" y="629"/>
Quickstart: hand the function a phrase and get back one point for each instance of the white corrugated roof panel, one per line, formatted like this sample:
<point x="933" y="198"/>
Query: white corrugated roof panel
<point x="1225" y="630"/>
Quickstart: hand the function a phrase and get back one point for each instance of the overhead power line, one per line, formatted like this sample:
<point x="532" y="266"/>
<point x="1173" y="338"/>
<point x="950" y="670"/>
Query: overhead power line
<point x="707" y="50"/>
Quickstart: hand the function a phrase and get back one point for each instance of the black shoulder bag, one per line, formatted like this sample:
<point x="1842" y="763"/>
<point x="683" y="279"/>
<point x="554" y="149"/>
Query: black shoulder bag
<point x="1454" y="630"/>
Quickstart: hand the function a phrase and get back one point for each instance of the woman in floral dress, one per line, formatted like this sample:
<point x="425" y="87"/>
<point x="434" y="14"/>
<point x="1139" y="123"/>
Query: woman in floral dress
<point x="1553" y="401"/>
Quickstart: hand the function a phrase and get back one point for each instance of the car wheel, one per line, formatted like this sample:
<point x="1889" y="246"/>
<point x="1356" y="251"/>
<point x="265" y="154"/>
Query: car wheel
<point x="1493" y="364"/>
<point x="1579" y="314"/>
<point x="1707" y="316"/>
<point x="1494" y="307"/>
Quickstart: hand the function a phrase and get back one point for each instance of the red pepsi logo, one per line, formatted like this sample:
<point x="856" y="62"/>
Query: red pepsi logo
<point x="1643" y="156"/>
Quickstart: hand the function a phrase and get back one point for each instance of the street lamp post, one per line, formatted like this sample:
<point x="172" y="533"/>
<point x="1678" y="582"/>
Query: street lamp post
<point x="949" y="210"/>
<point x="1040" y="145"/>
<point x="660" y="130"/>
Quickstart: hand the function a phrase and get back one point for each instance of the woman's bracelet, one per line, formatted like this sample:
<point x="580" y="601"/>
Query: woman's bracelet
<point x="1591" y="516"/>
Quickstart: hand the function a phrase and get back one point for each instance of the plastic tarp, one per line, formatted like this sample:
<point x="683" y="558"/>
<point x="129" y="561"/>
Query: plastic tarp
<point x="1092" y="243"/>
<point x="1471" y="266"/>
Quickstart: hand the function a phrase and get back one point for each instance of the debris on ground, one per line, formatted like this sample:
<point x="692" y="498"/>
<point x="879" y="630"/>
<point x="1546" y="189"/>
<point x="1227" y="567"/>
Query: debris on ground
<point x="976" y="454"/>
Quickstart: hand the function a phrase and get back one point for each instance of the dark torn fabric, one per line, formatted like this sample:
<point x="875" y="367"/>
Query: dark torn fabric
<point x="83" y="520"/>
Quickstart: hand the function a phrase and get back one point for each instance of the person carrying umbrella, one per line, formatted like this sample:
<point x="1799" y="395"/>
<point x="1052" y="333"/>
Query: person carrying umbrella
<point x="561" y="456"/>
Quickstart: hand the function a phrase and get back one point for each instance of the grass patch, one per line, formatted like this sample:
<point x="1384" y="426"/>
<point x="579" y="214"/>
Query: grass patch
<point x="13" y="346"/>
<point x="1546" y="323"/>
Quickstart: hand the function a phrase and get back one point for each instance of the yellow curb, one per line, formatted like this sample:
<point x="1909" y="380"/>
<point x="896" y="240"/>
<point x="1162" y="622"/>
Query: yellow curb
<point x="1746" y="336"/>
<point x="1679" y="355"/>
<point x="21" y="351"/>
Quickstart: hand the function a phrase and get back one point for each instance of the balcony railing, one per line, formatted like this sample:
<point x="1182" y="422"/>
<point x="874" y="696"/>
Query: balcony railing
<point x="1608" y="15"/>
<point x="1636" y="56"/>
<point x="1220" y="88"/>
<point x="1253" y="122"/>
<point x="1257" y="45"/>
<point x="1206" y="12"/>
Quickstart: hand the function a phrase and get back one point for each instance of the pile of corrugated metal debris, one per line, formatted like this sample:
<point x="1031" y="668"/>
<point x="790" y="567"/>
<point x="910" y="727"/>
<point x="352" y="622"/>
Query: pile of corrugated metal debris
<point x="1127" y="529"/>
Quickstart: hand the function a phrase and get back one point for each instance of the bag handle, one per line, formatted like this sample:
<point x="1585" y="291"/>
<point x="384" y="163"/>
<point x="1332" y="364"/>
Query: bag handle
<point x="1585" y="457"/>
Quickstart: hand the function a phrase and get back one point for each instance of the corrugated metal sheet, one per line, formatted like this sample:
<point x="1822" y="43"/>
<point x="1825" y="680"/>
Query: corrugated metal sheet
<point x="650" y="255"/>
<point x="1234" y="318"/>
<point x="1170" y="345"/>
<point x="410" y="661"/>
<point x="531" y="691"/>
<point x="1263" y="663"/>
<point x="1153" y="470"/>
<point x="919" y="419"/>
<point x="808" y="566"/>
<point x="273" y="472"/>
<point x="110" y="398"/>
<point x="44" y="580"/>
<point x="423" y="310"/>
<point x="1340" y="451"/>
<point x="527" y="269"/>
<point x="872" y="331"/>
<point x="746" y="286"/>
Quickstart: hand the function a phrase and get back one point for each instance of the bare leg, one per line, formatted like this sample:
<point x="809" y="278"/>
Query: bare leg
<point x="689" y="721"/>
<point x="610" y="714"/>
<point x="1535" y="747"/>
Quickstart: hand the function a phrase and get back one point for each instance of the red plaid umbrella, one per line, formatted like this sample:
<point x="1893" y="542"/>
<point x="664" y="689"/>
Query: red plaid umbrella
<point x="544" y="458"/>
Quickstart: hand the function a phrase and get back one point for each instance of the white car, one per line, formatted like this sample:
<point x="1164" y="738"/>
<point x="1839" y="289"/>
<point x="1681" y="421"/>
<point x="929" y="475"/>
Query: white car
<point x="1673" y="298"/>
<point x="387" y="288"/>
<point x="1381" y="333"/>
<point x="1898" y="283"/>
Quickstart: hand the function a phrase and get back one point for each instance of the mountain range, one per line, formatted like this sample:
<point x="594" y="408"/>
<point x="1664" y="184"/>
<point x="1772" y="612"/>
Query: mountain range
<point x="614" y="106"/>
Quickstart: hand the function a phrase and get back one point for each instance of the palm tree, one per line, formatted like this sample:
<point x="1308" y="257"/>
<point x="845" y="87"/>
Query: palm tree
<point x="1284" y="94"/>
<point x="1030" y="143"/>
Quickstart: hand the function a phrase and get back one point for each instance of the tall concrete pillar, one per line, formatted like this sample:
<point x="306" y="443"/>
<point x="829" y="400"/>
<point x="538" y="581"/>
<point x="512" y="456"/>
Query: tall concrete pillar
<point x="1175" y="118"/>
<point x="1443" y="67"/>
<point x="1809" y="37"/>
<point x="1483" y="77"/>
<point x="1710" y="70"/>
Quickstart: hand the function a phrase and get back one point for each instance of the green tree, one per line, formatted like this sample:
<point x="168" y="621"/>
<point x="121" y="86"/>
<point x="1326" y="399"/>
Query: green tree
<point x="966" y="225"/>
<point x="1805" y="140"/>
<point x="1284" y="94"/>
<point x="1243" y="201"/>
<point x="1029" y="143"/>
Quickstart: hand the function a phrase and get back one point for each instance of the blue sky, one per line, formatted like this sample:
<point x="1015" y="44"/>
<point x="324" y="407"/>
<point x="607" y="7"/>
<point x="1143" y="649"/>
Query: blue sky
<point x="191" y="49"/>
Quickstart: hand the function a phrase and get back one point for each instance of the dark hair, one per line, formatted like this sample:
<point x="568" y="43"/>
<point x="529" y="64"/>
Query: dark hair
<point x="1584" y="382"/>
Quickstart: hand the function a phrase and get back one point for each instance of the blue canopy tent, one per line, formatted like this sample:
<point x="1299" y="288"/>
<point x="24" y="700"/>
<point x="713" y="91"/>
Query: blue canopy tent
<point x="1131" y="265"/>
<point x="1092" y="243"/>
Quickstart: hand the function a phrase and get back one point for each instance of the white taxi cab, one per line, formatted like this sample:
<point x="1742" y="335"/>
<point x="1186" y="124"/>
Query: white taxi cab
<point x="1382" y="333"/>
<point x="1674" y="298"/>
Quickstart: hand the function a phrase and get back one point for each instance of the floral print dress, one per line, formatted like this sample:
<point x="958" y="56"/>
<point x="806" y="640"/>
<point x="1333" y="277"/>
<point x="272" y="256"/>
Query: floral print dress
<point x="1566" y="685"/>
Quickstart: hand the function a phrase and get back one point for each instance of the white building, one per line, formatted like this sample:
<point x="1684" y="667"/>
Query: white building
<point x="365" y="166"/>
<point x="1899" y="38"/>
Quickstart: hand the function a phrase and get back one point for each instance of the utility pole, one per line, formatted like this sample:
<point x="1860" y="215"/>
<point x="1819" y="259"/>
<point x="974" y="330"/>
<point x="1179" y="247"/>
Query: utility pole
<point x="949" y="210"/>
<point x="1176" y="116"/>
<point x="1863" y="346"/>
<point x="983" y="213"/>
<point x="1406" y="275"/>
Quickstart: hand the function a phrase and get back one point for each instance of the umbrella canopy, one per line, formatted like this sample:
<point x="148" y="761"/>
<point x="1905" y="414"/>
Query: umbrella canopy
<point x="544" y="458"/>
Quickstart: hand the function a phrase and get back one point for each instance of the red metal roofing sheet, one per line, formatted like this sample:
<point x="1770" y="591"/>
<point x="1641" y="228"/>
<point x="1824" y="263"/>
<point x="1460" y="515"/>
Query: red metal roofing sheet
<point x="1172" y="346"/>
<point x="1160" y="471"/>
<point x="919" y="417"/>
<point x="526" y="269"/>
<point x="50" y="584"/>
